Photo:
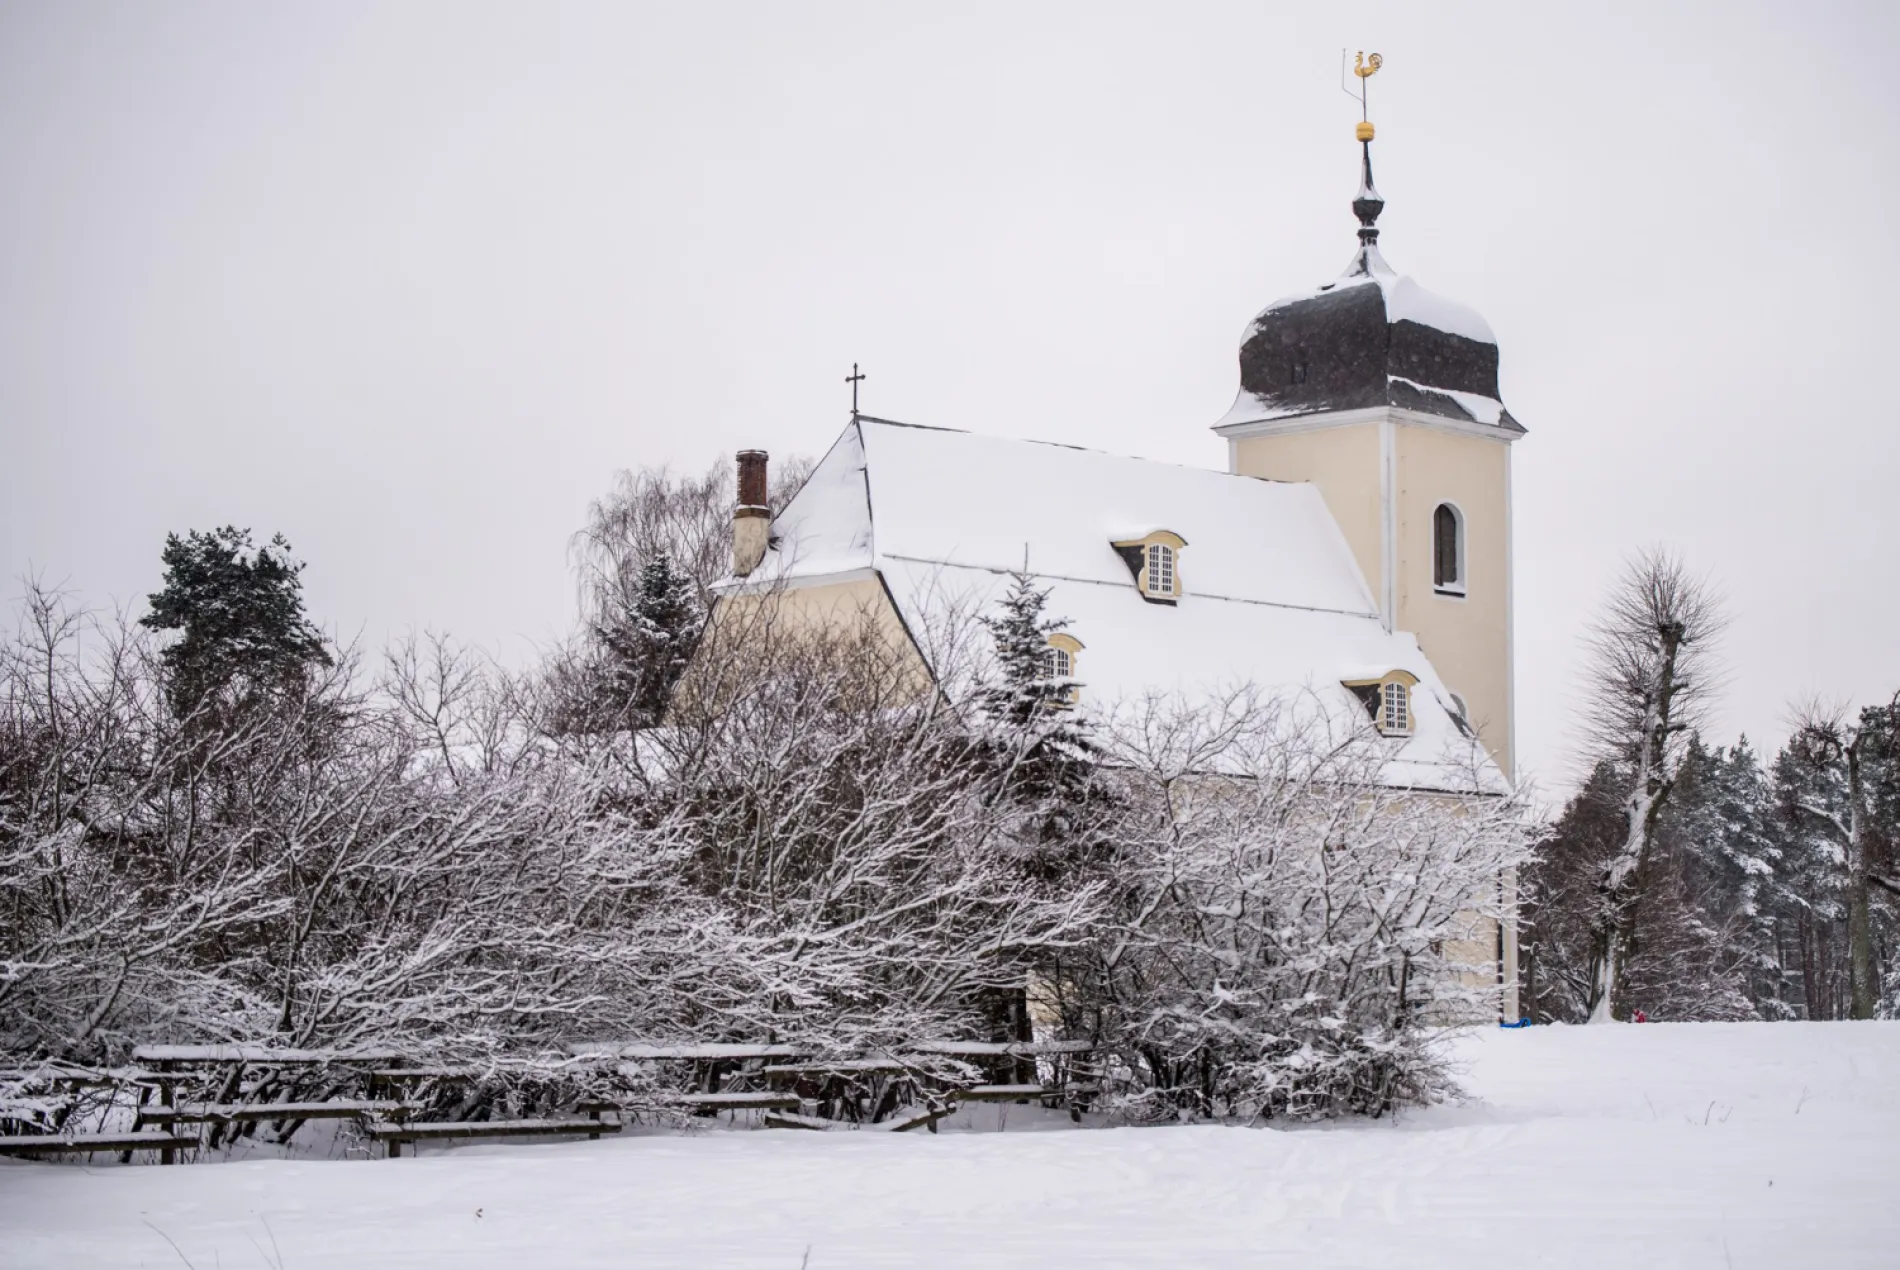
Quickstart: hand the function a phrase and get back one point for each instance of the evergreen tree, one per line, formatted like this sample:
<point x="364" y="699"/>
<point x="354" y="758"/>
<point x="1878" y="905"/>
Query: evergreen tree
<point x="1814" y="910"/>
<point x="1843" y="795"/>
<point x="1559" y="896"/>
<point x="1041" y="756"/>
<point x="239" y="610"/>
<point x="1699" y="947"/>
<point x="1731" y="834"/>
<point x="649" y="644"/>
<point x="1029" y="705"/>
<point x="1748" y="898"/>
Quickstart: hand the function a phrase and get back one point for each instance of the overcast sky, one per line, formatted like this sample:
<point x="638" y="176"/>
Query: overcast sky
<point x="409" y="282"/>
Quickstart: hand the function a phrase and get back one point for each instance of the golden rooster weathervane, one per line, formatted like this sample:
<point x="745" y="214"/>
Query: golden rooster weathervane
<point x="1365" y="67"/>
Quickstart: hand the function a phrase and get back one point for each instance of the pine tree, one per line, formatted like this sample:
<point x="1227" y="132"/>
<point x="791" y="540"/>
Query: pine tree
<point x="649" y="644"/>
<point x="240" y="611"/>
<point x="1737" y="858"/>
<point x="1813" y="927"/>
<point x="1694" y="948"/>
<point x="1844" y="784"/>
<point x="1560" y="898"/>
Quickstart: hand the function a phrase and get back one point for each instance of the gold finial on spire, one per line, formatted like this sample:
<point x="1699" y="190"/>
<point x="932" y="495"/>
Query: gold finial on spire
<point x="1365" y="67"/>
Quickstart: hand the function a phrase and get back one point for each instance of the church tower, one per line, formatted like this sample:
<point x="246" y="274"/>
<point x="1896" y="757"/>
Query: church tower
<point x="1385" y="397"/>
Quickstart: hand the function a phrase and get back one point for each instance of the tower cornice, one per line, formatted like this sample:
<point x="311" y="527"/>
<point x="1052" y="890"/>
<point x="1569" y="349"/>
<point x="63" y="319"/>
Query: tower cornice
<point x="1320" y="421"/>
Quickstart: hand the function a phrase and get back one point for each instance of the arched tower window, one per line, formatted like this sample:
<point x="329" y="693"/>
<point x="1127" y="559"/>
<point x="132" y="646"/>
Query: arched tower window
<point x="1448" y="550"/>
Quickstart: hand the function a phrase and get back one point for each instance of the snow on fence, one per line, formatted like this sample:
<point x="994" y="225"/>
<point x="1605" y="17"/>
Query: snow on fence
<point x="258" y="1054"/>
<point x="785" y="1083"/>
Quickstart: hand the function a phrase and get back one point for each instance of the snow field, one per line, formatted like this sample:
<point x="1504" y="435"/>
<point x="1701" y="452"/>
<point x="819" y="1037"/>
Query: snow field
<point x="1719" y="1145"/>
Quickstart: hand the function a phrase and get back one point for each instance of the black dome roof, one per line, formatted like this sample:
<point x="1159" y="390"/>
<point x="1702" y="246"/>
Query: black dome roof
<point x="1371" y="338"/>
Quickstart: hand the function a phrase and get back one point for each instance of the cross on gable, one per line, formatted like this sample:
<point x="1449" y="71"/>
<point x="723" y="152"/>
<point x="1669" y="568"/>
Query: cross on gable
<point x="855" y="378"/>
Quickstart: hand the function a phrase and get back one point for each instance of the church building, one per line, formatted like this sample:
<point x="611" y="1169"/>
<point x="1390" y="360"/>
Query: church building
<point x="1357" y="548"/>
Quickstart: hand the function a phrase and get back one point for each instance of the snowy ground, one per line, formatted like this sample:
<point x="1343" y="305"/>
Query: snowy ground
<point x="1712" y="1145"/>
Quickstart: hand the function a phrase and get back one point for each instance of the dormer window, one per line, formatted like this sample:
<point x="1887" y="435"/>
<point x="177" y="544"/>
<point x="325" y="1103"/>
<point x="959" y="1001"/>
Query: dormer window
<point x="1395" y="709"/>
<point x="1058" y="662"/>
<point x="1160" y="575"/>
<point x="1155" y="561"/>
<point x="1388" y="700"/>
<point x="1448" y="550"/>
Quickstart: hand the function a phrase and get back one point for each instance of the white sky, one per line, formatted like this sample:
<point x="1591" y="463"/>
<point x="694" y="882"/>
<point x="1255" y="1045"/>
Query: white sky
<point x="409" y="282"/>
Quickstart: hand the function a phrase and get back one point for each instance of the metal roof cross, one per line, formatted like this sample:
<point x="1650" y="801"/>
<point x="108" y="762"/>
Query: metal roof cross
<point x="855" y="378"/>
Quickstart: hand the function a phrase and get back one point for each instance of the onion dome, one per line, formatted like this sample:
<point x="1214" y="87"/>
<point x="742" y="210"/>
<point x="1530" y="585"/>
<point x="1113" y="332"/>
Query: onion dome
<point x="1370" y="338"/>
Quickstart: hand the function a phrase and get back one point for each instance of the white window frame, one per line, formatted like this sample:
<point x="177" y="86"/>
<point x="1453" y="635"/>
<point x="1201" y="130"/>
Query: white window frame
<point x="1395" y="708"/>
<point x="1159" y="569"/>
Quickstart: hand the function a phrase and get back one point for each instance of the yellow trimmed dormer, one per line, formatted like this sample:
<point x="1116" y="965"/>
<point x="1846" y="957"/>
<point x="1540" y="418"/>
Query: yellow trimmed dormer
<point x="1388" y="699"/>
<point x="1059" y="661"/>
<point x="1155" y="560"/>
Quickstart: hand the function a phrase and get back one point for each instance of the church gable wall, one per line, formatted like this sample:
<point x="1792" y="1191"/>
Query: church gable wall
<point x="774" y="622"/>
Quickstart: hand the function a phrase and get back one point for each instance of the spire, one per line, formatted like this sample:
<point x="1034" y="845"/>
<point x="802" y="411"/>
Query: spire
<point x="1367" y="204"/>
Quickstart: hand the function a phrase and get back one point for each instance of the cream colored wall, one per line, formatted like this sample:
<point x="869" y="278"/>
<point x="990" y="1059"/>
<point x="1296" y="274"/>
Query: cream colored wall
<point x="839" y="609"/>
<point x="1344" y="464"/>
<point x="1466" y="638"/>
<point x="833" y="606"/>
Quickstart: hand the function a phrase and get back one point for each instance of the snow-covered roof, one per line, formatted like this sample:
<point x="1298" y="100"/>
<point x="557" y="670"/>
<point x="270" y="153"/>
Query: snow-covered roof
<point x="1272" y="595"/>
<point x="1371" y="337"/>
<point x="1405" y="300"/>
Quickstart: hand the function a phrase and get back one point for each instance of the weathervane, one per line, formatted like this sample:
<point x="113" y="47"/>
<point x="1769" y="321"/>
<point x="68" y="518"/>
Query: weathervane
<point x="1365" y="68"/>
<point x="855" y="378"/>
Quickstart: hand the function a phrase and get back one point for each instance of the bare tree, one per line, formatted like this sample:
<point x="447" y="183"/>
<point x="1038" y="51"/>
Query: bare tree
<point x="656" y="512"/>
<point x="1293" y="927"/>
<point x="833" y="806"/>
<point x="1653" y="681"/>
<point x="113" y="871"/>
<point x="825" y="842"/>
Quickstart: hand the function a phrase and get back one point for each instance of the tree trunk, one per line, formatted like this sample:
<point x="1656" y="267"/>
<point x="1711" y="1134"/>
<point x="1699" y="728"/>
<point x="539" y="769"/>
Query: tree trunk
<point x="1863" y="981"/>
<point x="1620" y="891"/>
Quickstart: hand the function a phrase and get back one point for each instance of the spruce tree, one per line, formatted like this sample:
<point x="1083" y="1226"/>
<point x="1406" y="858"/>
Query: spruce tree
<point x="1041" y="759"/>
<point x="1738" y="857"/>
<point x="1029" y="706"/>
<point x="239" y="609"/>
<point x="649" y="644"/>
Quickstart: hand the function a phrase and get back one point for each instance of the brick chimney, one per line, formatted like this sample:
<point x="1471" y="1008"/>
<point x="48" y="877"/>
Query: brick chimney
<point x="752" y="517"/>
